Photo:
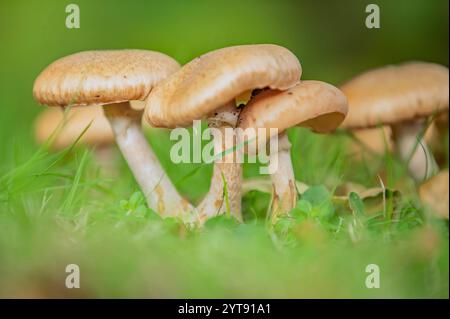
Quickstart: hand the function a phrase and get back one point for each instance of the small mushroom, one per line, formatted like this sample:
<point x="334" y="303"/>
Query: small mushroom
<point x="435" y="194"/>
<point x="400" y="96"/>
<point x="113" y="79"/>
<point x="315" y="105"/>
<point x="65" y="129"/>
<point x="207" y="87"/>
<point x="59" y="130"/>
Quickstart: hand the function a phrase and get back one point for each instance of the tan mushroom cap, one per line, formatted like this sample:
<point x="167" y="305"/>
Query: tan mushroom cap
<point x="216" y="78"/>
<point x="313" y="104"/>
<point x="77" y="119"/>
<point x="435" y="193"/>
<point x="102" y="77"/>
<point x="396" y="93"/>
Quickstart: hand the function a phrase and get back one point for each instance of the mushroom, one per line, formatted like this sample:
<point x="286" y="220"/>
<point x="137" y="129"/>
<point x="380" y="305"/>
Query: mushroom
<point x="68" y="128"/>
<point x="113" y="79"/>
<point x="316" y="105"/>
<point x="207" y="87"/>
<point x="59" y="130"/>
<point x="435" y="193"/>
<point x="400" y="96"/>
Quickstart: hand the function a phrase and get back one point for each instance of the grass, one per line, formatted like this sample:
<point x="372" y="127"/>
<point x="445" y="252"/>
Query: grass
<point x="62" y="208"/>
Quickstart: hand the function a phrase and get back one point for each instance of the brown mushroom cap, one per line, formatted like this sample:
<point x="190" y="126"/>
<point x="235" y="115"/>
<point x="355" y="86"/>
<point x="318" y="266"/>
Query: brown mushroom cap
<point x="77" y="120"/>
<point x="102" y="77"/>
<point x="396" y="93"/>
<point x="313" y="104"/>
<point x="435" y="193"/>
<point x="216" y="78"/>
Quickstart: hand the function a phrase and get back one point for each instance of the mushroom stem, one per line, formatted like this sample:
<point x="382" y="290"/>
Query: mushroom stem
<point x="161" y="195"/>
<point x="283" y="179"/>
<point x="226" y="167"/>
<point x="412" y="149"/>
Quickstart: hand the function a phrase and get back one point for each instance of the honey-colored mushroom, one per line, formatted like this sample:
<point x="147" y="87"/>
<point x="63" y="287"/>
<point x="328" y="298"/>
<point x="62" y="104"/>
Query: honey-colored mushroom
<point x="401" y="96"/>
<point x="312" y="104"/>
<point x="88" y="124"/>
<point x="113" y="79"/>
<point x="206" y="88"/>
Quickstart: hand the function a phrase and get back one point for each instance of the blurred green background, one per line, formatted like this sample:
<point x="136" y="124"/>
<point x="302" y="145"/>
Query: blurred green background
<point x="329" y="38"/>
<point x="332" y="43"/>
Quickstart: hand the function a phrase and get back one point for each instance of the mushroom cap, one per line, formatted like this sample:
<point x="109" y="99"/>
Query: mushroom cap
<point x="102" y="77"/>
<point x="396" y="93"/>
<point x="435" y="193"/>
<point x="216" y="78"/>
<point x="77" y="119"/>
<point x="313" y="104"/>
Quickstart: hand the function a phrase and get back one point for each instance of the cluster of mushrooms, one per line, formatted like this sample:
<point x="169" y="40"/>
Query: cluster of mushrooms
<point x="246" y="86"/>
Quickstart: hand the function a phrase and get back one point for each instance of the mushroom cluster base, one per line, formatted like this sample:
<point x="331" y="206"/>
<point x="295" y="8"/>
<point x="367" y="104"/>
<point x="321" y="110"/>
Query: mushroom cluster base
<point x="160" y="193"/>
<point x="223" y="198"/>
